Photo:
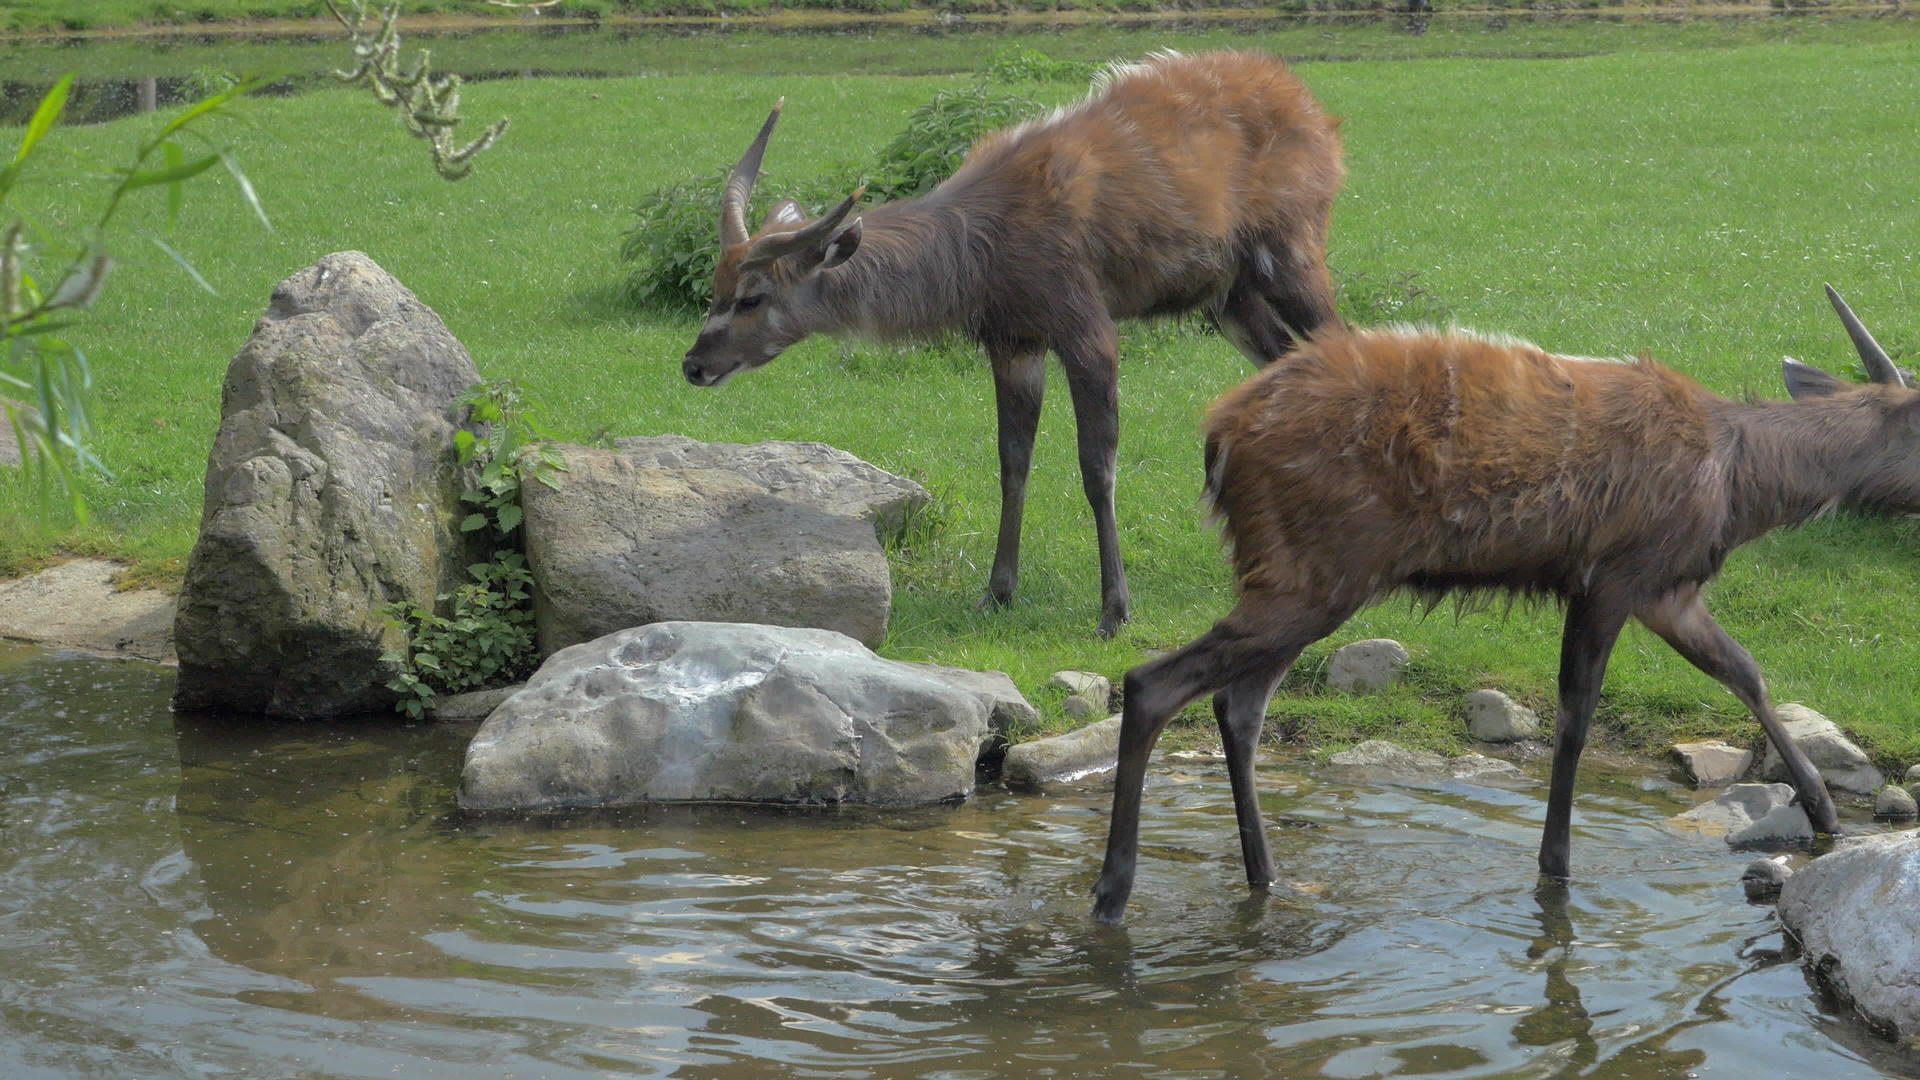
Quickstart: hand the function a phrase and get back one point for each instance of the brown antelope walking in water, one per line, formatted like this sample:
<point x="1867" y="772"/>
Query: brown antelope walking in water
<point x="1181" y="183"/>
<point x="1436" y="463"/>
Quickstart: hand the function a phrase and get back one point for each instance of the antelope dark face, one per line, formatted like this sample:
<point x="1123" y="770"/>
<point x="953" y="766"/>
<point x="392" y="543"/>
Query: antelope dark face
<point x="766" y="288"/>
<point x="1886" y="471"/>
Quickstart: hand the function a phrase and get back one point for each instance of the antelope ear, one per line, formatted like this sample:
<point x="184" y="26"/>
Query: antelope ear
<point x="786" y="214"/>
<point x="842" y="246"/>
<point x="1804" y="381"/>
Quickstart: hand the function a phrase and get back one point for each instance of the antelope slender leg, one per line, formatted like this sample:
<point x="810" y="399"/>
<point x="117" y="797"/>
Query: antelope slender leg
<point x="1241" y="712"/>
<point x="1019" y="382"/>
<point x="1246" y="652"/>
<point x="1092" y="364"/>
<point x="1593" y="625"/>
<point x="1683" y="621"/>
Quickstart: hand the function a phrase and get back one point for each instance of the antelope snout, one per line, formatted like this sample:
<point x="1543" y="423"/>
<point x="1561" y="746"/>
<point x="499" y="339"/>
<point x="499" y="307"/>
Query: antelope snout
<point x="697" y="372"/>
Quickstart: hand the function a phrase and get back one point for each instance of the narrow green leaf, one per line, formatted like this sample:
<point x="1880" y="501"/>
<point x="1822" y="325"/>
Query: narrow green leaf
<point x="138" y="180"/>
<point x="44" y="117"/>
<point x="212" y="104"/>
<point x="246" y="188"/>
<point x="182" y="260"/>
<point x="176" y="191"/>
<point x="472" y="522"/>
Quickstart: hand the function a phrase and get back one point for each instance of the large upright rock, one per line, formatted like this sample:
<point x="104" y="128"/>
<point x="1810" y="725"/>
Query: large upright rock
<point x="728" y="712"/>
<point x="618" y="544"/>
<point x="331" y="491"/>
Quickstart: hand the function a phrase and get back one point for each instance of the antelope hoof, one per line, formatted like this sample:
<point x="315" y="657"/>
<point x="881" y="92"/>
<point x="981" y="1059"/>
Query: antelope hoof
<point x="1109" y="904"/>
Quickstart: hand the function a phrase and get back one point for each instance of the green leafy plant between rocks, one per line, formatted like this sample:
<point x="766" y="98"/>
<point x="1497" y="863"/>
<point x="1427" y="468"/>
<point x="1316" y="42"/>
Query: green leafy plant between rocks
<point x="487" y="637"/>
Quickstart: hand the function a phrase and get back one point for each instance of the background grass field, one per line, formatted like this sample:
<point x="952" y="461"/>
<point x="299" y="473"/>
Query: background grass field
<point x="1686" y="202"/>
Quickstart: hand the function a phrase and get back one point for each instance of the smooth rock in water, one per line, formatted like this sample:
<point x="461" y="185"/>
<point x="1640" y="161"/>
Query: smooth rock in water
<point x="619" y="545"/>
<point x="1011" y="711"/>
<point x="685" y="711"/>
<point x="1712" y="763"/>
<point x="1494" y="717"/>
<point x="1397" y="762"/>
<point x="1366" y="665"/>
<point x="1913" y="775"/>
<point x="1736" y="808"/>
<point x="1894" y="802"/>
<point x="1783" y="825"/>
<point x="810" y="473"/>
<point x="1853" y="912"/>
<point x="1090" y="751"/>
<point x="1763" y="877"/>
<point x="1842" y="764"/>
<point x="331" y="492"/>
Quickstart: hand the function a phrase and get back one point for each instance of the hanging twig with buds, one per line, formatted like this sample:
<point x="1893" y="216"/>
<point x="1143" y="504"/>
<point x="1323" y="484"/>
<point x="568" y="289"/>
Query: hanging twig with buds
<point x="429" y="104"/>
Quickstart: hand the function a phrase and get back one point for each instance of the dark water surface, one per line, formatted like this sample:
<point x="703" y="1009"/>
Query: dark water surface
<point x="190" y="897"/>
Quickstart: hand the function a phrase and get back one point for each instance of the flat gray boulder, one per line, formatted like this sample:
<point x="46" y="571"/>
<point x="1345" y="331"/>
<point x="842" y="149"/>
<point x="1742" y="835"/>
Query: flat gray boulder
<point x="1392" y="761"/>
<point x="1852" y="911"/>
<point x="331" y="491"/>
<point x="1736" y="808"/>
<point x="814" y="474"/>
<point x="688" y="711"/>
<point x="1712" y="763"/>
<point x="1087" y="752"/>
<point x="1783" y="826"/>
<point x="1842" y="764"/>
<point x="618" y="545"/>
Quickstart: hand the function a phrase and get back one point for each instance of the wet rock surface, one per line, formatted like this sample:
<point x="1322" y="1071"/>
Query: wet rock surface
<point x="687" y="711"/>
<point x="1852" y="912"/>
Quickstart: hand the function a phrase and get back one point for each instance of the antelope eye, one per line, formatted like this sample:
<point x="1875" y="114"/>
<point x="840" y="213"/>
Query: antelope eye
<point x="748" y="303"/>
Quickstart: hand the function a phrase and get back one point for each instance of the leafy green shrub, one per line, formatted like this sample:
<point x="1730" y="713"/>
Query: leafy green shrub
<point x="675" y="241"/>
<point x="938" y="136"/>
<point x="488" y="637"/>
<point x="1021" y="64"/>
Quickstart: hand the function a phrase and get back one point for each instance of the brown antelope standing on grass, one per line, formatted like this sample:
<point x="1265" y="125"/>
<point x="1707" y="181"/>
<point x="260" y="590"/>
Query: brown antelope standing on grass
<point x="1440" y="462"/>
<point x="1182" y="182"/>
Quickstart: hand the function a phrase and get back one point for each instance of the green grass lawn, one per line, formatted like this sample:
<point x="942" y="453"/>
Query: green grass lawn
<point x="1685" y="203"/>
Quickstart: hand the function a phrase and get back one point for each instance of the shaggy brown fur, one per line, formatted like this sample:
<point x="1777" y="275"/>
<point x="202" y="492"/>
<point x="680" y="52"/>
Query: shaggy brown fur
<point x="1183" y="182"/>
<point x="1372" y="462"/>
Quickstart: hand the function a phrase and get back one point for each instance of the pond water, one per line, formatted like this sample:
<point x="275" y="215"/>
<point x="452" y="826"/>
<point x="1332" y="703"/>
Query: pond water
<point x="212" y="895"/>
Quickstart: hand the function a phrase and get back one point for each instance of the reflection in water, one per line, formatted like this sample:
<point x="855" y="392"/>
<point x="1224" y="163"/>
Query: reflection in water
<point x="181" y="896"/>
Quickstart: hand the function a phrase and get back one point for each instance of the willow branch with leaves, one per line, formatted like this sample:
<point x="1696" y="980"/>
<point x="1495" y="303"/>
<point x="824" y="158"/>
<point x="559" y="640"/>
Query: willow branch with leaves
<point x="44" y="378"/>
<point x="429" y="104"/>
